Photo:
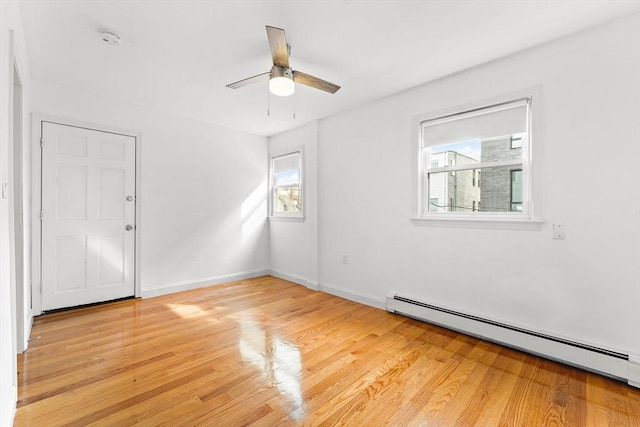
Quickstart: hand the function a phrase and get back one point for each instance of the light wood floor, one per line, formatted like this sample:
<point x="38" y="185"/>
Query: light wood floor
<point x="267" y="352"/>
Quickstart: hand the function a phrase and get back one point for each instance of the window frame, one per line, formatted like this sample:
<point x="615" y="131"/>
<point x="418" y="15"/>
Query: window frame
<point x="274" y="156"/>
<point x="529" y="219"/>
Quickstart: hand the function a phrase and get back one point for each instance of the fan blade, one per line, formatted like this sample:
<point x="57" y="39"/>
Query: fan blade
<point x="245" y="82"/>
<point x="308" y="80"/>
<point x="278" y="46"/>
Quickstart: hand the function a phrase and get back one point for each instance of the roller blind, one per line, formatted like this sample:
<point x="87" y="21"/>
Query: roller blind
<point x="286" y="169"/>
<point x="505" y="119"/>
<point x="286" y="162"/>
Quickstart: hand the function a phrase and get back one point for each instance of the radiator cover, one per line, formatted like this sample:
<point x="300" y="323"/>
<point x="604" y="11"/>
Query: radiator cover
<point x="600" y="360"/>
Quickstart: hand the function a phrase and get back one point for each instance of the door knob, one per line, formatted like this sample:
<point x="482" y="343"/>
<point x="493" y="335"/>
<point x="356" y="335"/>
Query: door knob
<point x="129" y="227"/>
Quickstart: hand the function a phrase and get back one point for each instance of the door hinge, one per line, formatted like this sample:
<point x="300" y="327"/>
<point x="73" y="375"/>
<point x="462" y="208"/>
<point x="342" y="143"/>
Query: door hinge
<point x="41" y="142"/>
<point x="41" y="215"/>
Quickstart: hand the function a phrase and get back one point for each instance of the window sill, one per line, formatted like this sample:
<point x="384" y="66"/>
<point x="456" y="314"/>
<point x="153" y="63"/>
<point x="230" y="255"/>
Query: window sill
<point x="286" y="218"/>
<point x="484" y="223"/>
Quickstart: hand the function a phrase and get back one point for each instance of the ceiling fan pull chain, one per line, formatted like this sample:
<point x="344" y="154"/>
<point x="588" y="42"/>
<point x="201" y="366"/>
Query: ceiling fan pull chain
<point x="268" y="102"/>
<point x="294" y="106"/>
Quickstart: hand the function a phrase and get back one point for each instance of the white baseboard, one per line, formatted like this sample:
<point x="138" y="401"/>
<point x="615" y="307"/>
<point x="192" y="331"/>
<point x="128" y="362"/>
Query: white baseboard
<point x="634" y="370"/>
<point x="360" y="297"/>
<point x="8" y="407"/>
<point x="194" y="284"/>
<point x="311" y="284"/>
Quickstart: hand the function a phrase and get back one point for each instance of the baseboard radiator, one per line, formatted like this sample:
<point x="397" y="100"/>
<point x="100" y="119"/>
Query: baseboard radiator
<point x="588" y="357"/>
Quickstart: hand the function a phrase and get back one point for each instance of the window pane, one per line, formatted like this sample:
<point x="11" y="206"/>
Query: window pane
<point x="286" y="178"/>
<point x="287" y="200"/>
<point x="286" y="184"/>
<point x="494" y="189"/>
<point x="485" y="150"/>
<point x="453" y="193"/>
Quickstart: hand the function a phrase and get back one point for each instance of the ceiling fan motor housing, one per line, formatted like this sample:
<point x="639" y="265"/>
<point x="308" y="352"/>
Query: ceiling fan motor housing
<point x="278" y="71"/>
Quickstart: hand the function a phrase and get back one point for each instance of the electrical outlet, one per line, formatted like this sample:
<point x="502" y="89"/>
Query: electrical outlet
<point x="345" y="259"/>
<point x="558" y="231"/>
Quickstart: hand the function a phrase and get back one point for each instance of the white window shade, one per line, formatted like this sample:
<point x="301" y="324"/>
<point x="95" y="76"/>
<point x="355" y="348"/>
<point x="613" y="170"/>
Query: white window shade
<point x="286" y="163"/>
<point x="506" y="119"/>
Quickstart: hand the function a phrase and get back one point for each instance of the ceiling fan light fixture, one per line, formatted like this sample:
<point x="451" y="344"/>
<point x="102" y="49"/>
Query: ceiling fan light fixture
<point x="281" y="81"/>
<point x="282" y="86"/>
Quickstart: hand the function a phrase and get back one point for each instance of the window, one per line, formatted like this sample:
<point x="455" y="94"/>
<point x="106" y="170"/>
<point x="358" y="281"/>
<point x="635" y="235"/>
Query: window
<point x="491" y="142"/>
<point x="433" y="204"/>
<point x="475" y="176"/>
<point x="286" y="184"/>
<point x="516" y="190"/>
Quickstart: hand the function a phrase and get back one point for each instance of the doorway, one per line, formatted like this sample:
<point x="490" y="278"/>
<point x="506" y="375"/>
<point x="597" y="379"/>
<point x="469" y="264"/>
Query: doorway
<point x="87" y="216"/>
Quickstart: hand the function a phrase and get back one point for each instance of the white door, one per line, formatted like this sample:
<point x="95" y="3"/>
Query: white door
<point x="88" y="216"/>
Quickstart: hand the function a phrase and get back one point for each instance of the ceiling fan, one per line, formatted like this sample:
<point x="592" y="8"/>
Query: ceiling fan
<point x="282" y="77"/>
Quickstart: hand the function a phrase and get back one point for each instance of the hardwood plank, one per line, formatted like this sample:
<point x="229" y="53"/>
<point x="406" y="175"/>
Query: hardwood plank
<point x="461" y="397"/>
<point x="265" y="351"/>
<point x="444" y="365"/>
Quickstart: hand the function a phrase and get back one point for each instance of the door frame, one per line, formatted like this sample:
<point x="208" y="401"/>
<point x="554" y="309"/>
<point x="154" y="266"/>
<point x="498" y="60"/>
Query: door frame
<point x="17" y="199"/>
<point x="36" y="181"/>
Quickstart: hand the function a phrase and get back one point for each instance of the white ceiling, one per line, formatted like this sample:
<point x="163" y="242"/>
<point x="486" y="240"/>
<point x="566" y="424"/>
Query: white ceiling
<point x="179" y="55"/>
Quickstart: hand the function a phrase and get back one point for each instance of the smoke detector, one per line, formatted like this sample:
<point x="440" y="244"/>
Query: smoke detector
<point x="110" y="38"/>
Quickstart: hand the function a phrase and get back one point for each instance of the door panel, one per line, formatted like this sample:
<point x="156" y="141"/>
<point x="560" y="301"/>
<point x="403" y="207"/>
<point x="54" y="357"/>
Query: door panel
<point x="71" y="252"/>
<point x="113" y="150"/>
<point x="112" y="193"/>
<point x="73" y="145"/>
<point x="71" y="186"/>
<point x="112" y="260"/>
<point x="87" y="253"/>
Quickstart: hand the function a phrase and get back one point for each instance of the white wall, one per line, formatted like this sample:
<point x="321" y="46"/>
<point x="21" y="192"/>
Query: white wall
<point x="587" y="287"/>
<point x="293" y="244"/>
<point x="12" y="329"/>
<point x="203" y="193"/>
